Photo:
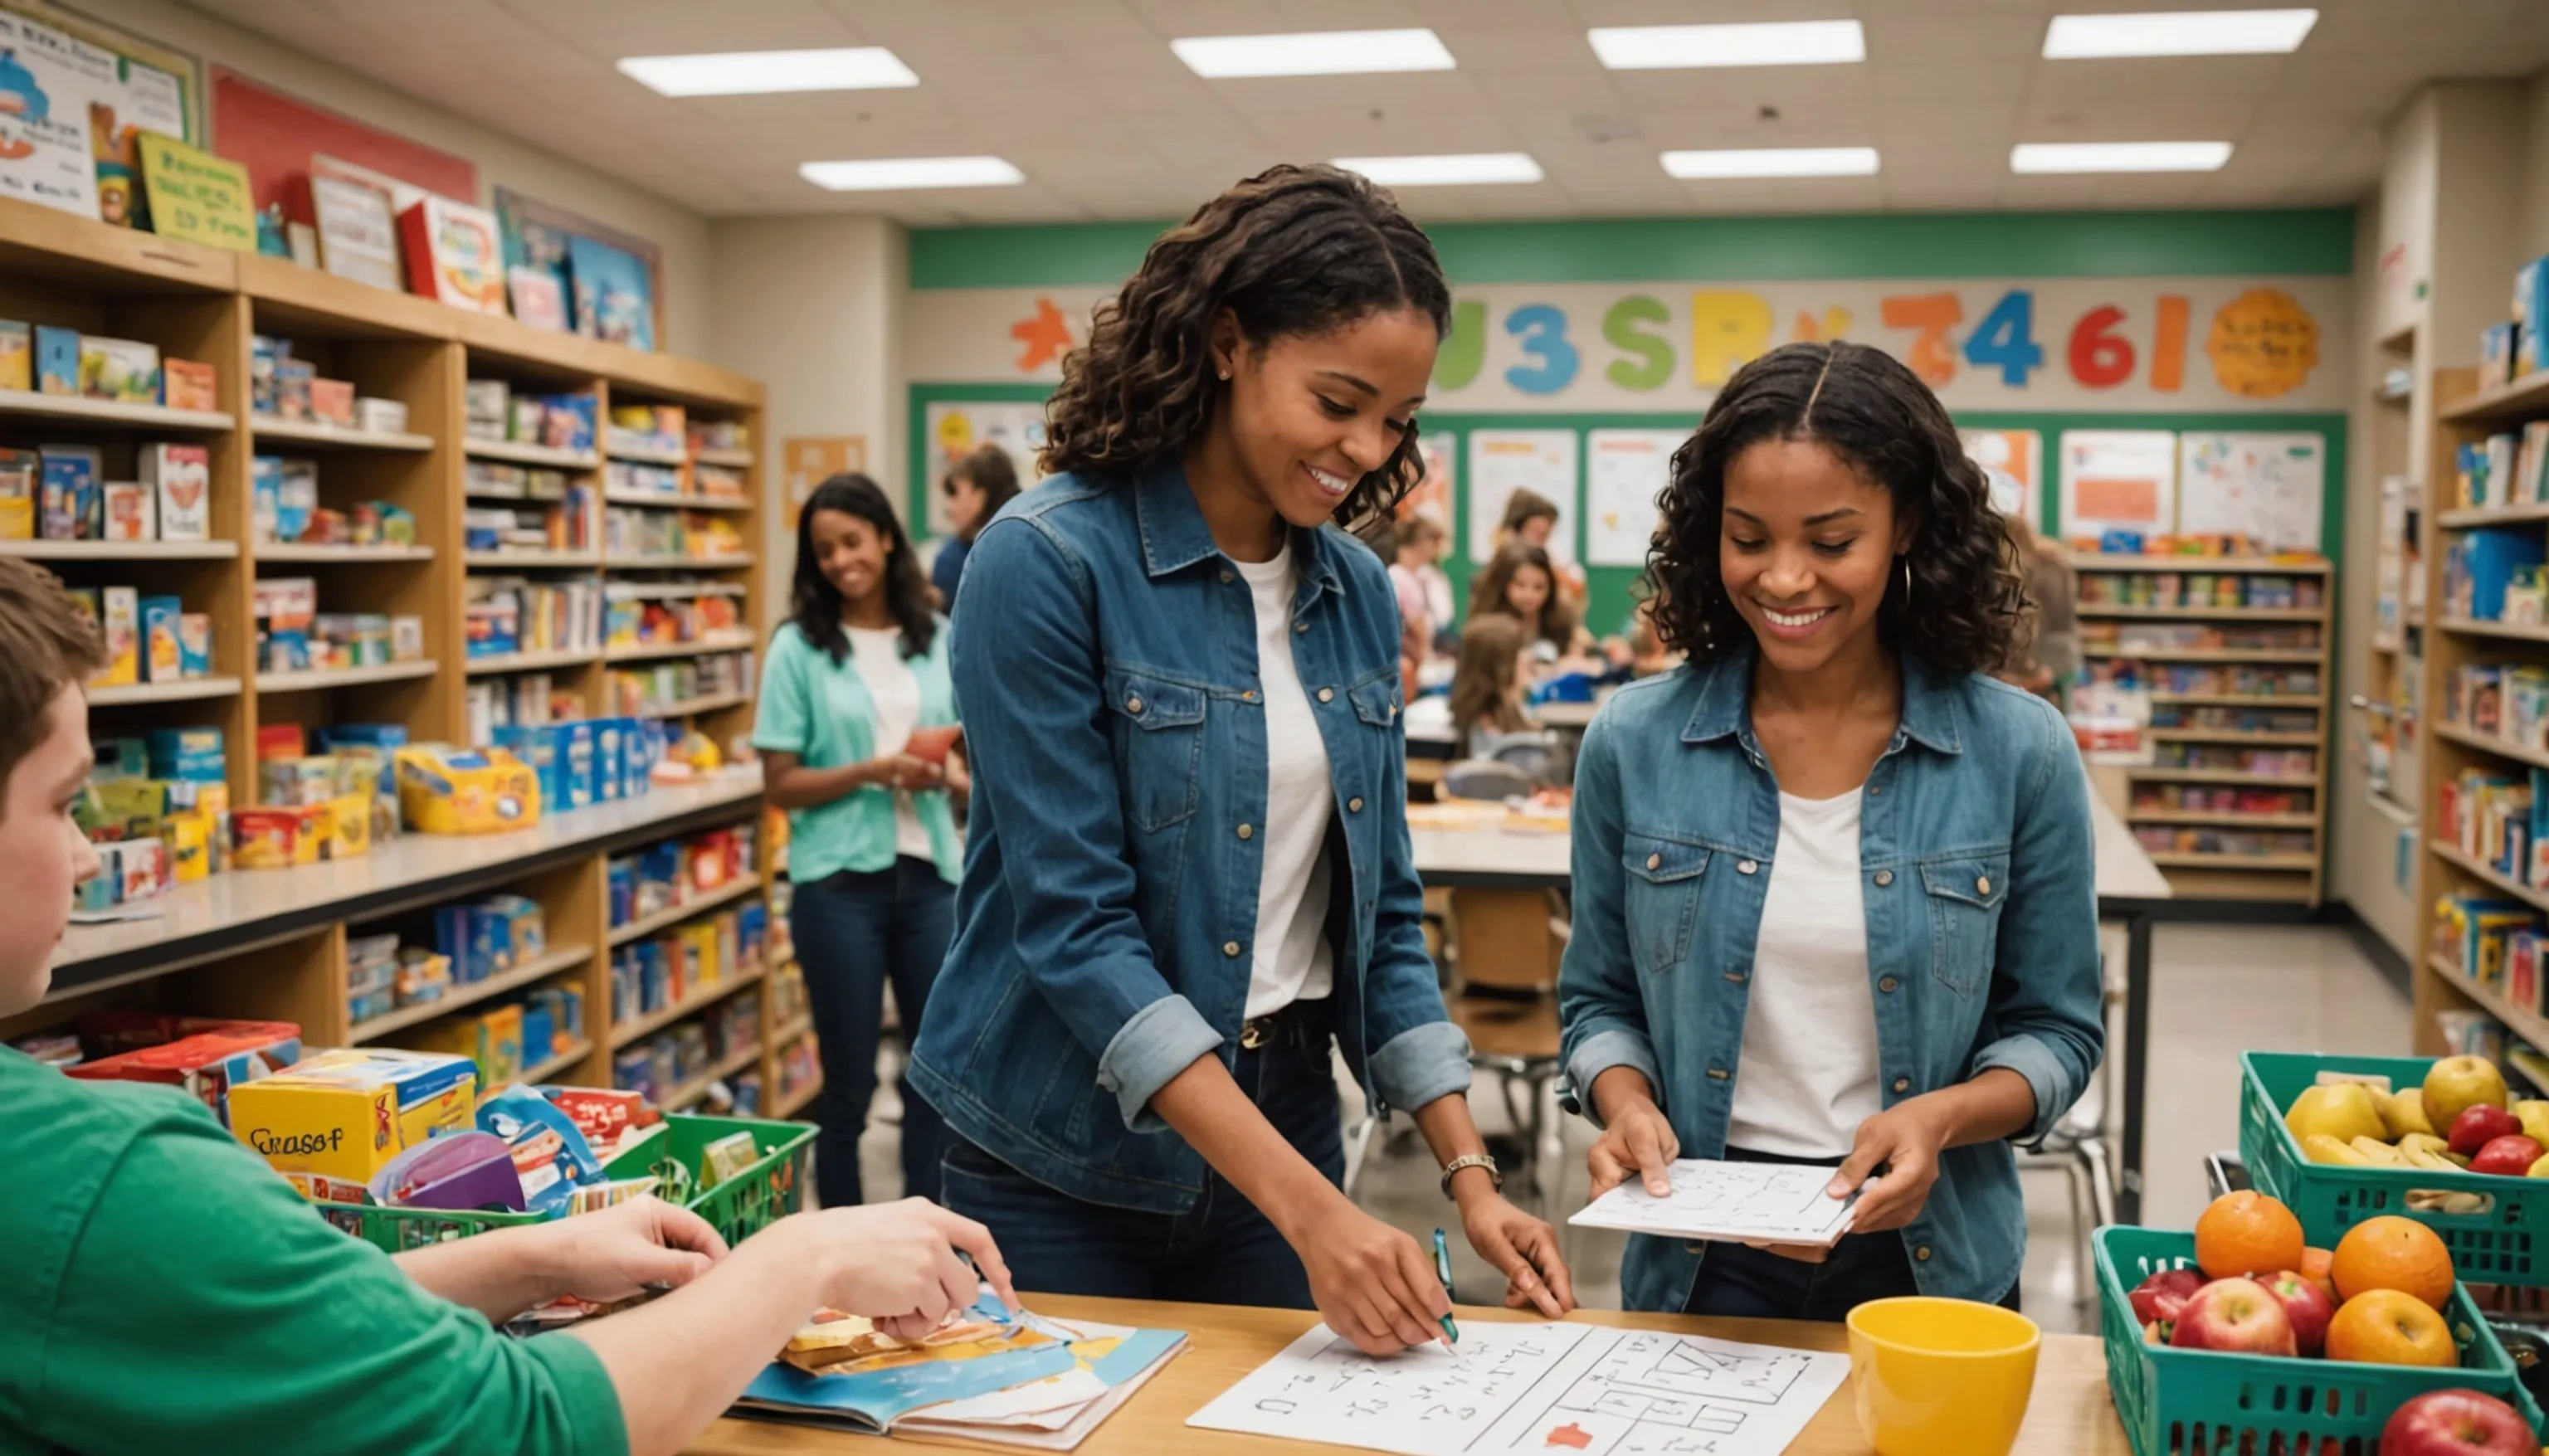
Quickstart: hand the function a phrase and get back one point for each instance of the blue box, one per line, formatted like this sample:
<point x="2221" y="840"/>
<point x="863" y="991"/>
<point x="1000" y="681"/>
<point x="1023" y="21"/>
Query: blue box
<point x="2496" y="354"/>
<point x="2486" y="561"/>
<point x="163" y="652"/>
<point x="537" y="748"/>
<point x="265" y="494"/>
<point x="193" y="753"/>
<point x="477" y="941"/>
<point x="2530" y="313"/>
<point x="58" y="352"/>
<point x="609" y="759"/>
<point x="72" y="506"/>
<point x="581" y="413"/>
<point x="575" y="762"/>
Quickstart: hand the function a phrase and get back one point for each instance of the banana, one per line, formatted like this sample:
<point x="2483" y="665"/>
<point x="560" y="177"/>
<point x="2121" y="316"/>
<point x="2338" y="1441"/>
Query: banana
<point x="2319" y="1148"/>
<point x="2381" y="1153"/>
<point x="2425" y="1157"/>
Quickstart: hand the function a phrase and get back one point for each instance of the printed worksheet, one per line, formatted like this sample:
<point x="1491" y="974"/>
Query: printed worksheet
<point x="1537" y="1388"/>
<point x="1757" y="1203"/>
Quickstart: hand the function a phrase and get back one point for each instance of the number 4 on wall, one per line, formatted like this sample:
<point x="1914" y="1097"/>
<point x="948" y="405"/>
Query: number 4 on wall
<point x="2005" y="339"/>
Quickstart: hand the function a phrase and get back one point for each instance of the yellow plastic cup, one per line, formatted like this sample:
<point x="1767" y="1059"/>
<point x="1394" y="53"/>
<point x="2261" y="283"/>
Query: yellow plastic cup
<point x="1941" y="1377"/>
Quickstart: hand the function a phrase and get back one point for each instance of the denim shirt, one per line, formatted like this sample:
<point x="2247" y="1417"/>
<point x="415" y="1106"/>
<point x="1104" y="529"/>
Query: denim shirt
<point x="1106" y="665"/>
<point x="1976" y="867"/>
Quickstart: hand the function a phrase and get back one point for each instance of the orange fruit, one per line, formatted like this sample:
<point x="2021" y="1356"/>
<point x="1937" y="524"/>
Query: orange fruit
<point x="2247" y="1233"/>
<point x="2392" y="1252"/>
<point x="2384" y="1326"/>
<point x="2314" y="1267"/>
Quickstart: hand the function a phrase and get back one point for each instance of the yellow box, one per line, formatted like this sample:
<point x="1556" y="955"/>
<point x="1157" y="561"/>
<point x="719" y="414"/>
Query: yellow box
<point x="444" y="789"/>
<point x="344" y="1114"/>
<point x="350" y="829"/>
<point x="189" y="833"/>
<point x="492" y="1040"/>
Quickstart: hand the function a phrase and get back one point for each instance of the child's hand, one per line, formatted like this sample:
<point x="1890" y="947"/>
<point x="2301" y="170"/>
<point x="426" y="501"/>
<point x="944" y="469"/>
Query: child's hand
<point x="613" y="1253"/>
<point x="1638" y="1141"/>
<point x="897" y="1264"/>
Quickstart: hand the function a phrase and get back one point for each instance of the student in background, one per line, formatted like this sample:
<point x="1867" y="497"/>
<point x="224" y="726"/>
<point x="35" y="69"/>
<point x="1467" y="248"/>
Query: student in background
<point x="1521" y="583"/>
<point x="1417" y="544"/>
<point x="2047" y="657"/>
<point x="1531" y="519"/>
<point x="1833" y="884"/>
<point x="976" y="487"/>
<point x="1188" y="878"/>
<point x="1488" y="685"/>
<point x="260" y="1327"/>
<point x="871" y="849"/>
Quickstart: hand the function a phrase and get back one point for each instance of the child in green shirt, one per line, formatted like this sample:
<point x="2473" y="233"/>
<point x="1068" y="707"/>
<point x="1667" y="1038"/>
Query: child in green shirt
<point x="163" y="1290"/>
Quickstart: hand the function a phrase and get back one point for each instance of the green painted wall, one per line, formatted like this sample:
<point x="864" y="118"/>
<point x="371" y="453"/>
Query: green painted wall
<point x="2314" y="240"/>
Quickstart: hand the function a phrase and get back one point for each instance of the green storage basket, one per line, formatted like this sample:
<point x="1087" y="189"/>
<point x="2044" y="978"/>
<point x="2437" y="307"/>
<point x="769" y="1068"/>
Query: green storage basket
<point x="771" y="1188"/>
<point x="2507" y="1244"/>
<point x="2207" y="1402"/>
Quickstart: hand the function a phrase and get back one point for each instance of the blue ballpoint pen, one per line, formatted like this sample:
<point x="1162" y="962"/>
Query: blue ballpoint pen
<point x="1442" y="1271"/>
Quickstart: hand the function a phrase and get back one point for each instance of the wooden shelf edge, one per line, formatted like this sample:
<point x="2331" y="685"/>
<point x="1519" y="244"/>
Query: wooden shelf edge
<point x="2489" y="743"/>
<point x="541" y="1071"/>
<point x="541" y="968"/>
<point x="2479" y="869"/>
<point x="705" y="900"/>
<point x="41" y="550"/>
<point x="689" y="1006"/>
<point x="184" y="690"/>
<point x="2530" y="1025"/>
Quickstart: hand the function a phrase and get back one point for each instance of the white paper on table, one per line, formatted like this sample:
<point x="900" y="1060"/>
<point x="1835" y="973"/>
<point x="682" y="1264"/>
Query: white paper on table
<point x="1757" y="1203"/>
<point x="1535" y="1387"/>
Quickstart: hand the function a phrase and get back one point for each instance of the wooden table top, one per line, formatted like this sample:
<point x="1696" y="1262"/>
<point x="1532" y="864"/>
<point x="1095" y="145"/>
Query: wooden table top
<point x="2071" y="1415"/>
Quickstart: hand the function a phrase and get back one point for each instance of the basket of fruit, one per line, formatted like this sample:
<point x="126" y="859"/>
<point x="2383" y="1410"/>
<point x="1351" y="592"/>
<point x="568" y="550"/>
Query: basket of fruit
<point x="2238" y="1337"/>
<point x="2344" y="1138"/>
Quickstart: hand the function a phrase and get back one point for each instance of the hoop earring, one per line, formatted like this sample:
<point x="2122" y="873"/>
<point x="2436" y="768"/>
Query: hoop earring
<point x="1905" y="559"/>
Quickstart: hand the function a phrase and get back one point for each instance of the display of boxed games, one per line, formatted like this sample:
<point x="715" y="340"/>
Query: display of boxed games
<point x="71" y="506"/>
<point x="331" y="402"/>
<point x="656" y="687"/>
<point x="286" y="497"/>
<point x="206" y="1057"/>
<point x="455" y="254"/>
<point x="444" y="789"/>
<point x="124" y="370"/>
<point x="648" y="427"/>
<point x="181" y="480"/>
<point x="58" y="360"/>
<point x="129" y="511"/>
<point x="188" y="384"/>
<point x="345" y="1113"/>
<point x="17" y="355"/>
<point x="653" y="620"/>
<point x="719" y="434"/>
<point x="670" y="535"/>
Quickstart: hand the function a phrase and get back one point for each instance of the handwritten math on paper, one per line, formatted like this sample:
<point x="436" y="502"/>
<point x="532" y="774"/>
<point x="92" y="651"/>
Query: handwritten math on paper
<point x="1557" y="1390"/>
<point x="1758" y="1203"/>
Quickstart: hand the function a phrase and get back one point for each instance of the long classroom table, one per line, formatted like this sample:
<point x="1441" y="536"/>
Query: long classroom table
<point x="2130" y="890"/>
<point x="2071" y="1414"/>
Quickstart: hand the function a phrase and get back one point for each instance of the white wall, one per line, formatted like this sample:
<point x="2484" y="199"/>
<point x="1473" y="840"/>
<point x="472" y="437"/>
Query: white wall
<point x="814" y="307"/>
<point x="500" y="159"/>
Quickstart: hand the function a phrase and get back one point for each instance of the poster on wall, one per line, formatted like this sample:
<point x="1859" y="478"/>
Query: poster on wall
<point x="357" y="233"/>
<point x="1432" y="495"/>
<point x="806" y="461"/>
<point x="613" y="293"/>
<point x="1625" y="471"/>
<point x="2269" y="488"/>
<point x="1503" y="460"/>
<point x="48" y="83"/>
<point x="540" y="240"/>
<point x="2018" y="454"/>
<point x="2118" y="480"/>
<point x="956" y="429"/>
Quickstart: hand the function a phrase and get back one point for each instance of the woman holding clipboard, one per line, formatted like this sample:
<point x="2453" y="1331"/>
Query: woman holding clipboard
<point x="1189" y="874"/>
<point x="1834" y="900"/>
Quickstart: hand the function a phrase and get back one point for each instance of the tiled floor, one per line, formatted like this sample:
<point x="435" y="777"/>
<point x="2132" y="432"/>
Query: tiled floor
<point x="2217" y="991"/>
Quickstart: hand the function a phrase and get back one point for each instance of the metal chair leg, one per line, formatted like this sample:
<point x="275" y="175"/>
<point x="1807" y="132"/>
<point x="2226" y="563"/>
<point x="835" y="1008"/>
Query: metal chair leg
<point x="1358" y="1148"/>
<point x="2084" y="1283"/>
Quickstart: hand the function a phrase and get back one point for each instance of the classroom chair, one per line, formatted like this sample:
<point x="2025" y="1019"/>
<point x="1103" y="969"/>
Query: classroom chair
<point x="1508" y="945"/>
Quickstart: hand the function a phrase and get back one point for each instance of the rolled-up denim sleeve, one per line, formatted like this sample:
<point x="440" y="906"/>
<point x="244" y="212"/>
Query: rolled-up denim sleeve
<point x="1029" y="691"/>
<point x="1600" y="1005"/>
<point x="2045" y="991"/>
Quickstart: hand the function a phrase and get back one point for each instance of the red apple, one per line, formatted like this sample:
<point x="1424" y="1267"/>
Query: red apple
<point x="2457" y="1423"/>
<point x="2163" y="1296"/>
<point x="2235" y="1315"/>
<point x="2306" y="1307"/>
<point x="2509" y="1156"/>
<point x="2479" y="1126"/>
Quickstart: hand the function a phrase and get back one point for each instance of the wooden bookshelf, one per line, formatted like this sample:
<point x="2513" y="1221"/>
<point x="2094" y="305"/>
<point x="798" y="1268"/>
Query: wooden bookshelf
<point x="2138" y="593"/>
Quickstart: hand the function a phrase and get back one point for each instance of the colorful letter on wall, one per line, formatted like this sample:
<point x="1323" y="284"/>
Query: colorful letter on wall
<point x="2101" y="358"/>
<point x="1542" y="328"/>
<point x="1652" y="363"/>
<point x="1464" y="349"/>
<point x="2168" y="345"/>
<point x="1728" y="329"/>
<point x="1812" y="331"/>
<point x="1933" y="314"/>
<point x="1042" y="339"/>
<point x="2263" y="343"/>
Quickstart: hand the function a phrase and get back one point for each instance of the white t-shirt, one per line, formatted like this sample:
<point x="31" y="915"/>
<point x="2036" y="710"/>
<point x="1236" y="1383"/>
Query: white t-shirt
<point x="1807" y="1073"/>
<point x="1291" y="959"/>
<point x="1438" y="596"/>
<point x="877" y="651"/>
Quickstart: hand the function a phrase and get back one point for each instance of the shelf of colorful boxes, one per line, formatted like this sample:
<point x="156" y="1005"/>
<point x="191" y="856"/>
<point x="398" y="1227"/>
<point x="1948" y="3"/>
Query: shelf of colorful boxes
<point x="535" y="453"/>
<point x="473" y="954"/>
<point x="685" y="930"/>
<point x="300" y="646"/>
<point x="290" y="400"/>
<point x="665" y="508"/>
<point x="685" y="1063"/>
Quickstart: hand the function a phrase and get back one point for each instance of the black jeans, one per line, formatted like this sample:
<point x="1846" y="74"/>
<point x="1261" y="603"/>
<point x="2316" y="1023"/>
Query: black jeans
<point x="1741" y="1282"/>
<point x="1223" y="1251"/>
<point x="854" y="933"/>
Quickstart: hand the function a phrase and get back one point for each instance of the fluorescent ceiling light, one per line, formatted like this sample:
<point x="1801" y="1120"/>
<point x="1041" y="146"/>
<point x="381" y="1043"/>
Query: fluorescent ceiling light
<point x="2185" y="33"/>
<point x="2119" y="156"/>
<point x="1782" y="162"/>
<point x="900" y="173"/>
<point x="1451" y="171"/>
<point x="1679" y="48"/>
<point x="1313" y="53"/>
<point x="757" y="72"/>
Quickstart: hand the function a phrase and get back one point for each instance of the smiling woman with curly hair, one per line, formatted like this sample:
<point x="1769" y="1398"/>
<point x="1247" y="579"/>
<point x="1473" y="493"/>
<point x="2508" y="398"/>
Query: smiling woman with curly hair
<point x="1833" y="889"/>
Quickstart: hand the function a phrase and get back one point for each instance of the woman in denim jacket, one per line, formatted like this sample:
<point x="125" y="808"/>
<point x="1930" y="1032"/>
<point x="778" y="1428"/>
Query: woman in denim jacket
<point x="1189" y="869"/>
<point x="1833" y="891"/>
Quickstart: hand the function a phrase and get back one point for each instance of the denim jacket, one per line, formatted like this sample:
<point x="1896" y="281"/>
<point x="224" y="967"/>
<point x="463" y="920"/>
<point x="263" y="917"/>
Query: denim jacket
<point x="1981" y="902"/>
<point x="1106" y="665"/>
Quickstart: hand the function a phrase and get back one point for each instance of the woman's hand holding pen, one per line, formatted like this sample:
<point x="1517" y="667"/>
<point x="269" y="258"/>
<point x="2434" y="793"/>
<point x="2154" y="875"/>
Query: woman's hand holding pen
<point x="1373" y="1284"/>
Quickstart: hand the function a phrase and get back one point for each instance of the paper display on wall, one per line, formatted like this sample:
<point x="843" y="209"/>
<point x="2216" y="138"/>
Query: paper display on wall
<point x="1503" y="460"/>
<point x="48" y="83"/>
<point x="957" y="429"/>
<point x="2118" y="480"/>
<point x="1432" y="496"/>
<point x="2015" y="453"/>
<point x="1535" y="1387"/>
<point x="2265" y="486"/>
<point x="1624" y="470"/>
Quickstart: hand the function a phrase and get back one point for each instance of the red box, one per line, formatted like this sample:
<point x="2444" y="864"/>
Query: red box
<point x="331" y="400"/>
<point x="202" y="1056"/>
<point x="185" y="384"/>
<point x="281" y="741"/>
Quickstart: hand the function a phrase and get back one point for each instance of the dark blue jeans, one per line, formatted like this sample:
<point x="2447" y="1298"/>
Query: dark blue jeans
<point x="1740" y="1282"/>
<point x="1223" y="1251"/>
<point x="855" y="933"/>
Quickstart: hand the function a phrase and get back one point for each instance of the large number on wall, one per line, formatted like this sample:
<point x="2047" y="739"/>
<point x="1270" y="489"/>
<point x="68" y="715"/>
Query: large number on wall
<point x="2101" y="358"/>
<point x="1542" y="328"/>
<point x="1931" y="356"/>
<point x="2005" y="339"/>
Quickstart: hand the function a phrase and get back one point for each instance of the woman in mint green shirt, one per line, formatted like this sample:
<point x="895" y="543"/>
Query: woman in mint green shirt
<point x="872" y="847"/>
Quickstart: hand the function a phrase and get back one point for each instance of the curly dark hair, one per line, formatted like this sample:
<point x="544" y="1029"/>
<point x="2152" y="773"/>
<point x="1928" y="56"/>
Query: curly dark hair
<point x="1291" y="250"/>
<point x="1865" y="406"/>
<point x="814" y="604"/>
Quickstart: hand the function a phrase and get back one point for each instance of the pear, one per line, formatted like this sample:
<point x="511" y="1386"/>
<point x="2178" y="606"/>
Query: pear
<point x="2319" y="1148"/>
<point x="2403" y="1112"/>
<point x="2534" y="1117"/>
<point x="2345" y="1113"/>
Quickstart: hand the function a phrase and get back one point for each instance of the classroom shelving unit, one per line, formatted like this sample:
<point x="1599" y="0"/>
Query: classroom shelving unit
<point x="271" y="943"/>
<point x="2265" y="699"/>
